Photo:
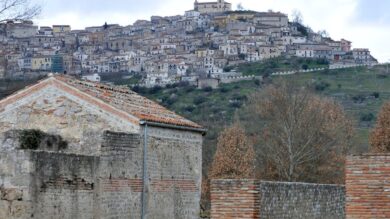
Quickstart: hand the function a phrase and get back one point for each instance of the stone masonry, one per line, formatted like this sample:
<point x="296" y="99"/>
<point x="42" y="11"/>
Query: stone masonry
<point x="49" y="184"/>
<point x="99" y="174"/>
<point x="259" y="199"/>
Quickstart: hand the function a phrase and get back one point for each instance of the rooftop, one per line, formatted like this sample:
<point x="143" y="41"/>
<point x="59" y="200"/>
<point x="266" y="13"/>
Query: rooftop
<point x="120" y="98"/>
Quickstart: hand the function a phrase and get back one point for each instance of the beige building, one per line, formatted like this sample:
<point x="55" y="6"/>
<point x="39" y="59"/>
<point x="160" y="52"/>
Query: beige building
<point x="61" y="29"/>
<point x="41" y="63"/>
<point x="23" y="29"/>
<point x="276" y="19"/>
<point x="212" y="7"/>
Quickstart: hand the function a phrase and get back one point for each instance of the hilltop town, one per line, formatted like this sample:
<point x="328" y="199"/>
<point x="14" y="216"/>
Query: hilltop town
<point x="279" y="126"/>
<point x="204" y="42"/>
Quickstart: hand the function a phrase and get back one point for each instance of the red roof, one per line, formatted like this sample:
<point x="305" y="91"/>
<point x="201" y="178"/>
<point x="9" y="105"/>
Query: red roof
<point x="120" y="101"/>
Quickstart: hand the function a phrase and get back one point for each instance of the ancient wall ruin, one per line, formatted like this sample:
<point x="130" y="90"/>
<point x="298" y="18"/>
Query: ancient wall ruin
<point x="51" y="184"/>
<point x="259" y="199"/>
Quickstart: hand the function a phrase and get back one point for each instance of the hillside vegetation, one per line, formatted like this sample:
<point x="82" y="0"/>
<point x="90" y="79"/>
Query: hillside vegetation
<point x="361" y="91"/>
<point x="281" y="64"/>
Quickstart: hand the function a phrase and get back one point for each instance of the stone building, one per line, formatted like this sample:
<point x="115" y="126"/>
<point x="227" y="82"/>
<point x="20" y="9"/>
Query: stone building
<point x="100" y="152"/>
<point x="212" y="7"/>
<point x="19" y="29"/>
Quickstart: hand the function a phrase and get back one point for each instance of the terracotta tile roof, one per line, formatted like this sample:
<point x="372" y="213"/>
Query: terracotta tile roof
<point x="129" y="102"/>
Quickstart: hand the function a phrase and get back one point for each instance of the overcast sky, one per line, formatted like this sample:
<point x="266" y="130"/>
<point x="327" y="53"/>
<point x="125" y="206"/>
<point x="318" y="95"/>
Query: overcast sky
<point x="364" y="22"/>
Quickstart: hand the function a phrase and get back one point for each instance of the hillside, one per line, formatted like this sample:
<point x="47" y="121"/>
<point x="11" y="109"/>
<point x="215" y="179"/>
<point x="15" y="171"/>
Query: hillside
<point x="361" y="91"/>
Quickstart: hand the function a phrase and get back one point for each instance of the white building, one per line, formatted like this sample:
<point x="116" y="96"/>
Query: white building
<point x="212" y="7"/>
<point x="94" y="78"/>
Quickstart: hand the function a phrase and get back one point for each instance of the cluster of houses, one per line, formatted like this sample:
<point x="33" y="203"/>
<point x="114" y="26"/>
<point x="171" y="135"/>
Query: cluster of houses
<point x="204" y="42"/>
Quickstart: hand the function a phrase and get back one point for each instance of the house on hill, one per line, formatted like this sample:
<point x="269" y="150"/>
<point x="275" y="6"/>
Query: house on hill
<point x="219" y="6"/>
<point x="78" y="149"/>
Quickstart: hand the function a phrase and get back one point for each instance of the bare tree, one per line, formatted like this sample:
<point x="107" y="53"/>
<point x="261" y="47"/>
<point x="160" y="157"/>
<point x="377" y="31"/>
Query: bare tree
<point x="240" y="7"/>
<point x="297" y="17"/>
<point x="323" y="33"/>
<point x="304" y="136"/>
<point x="235" y="155"/>
<point x="380" y="136"/>
<point x="18" y="10"/>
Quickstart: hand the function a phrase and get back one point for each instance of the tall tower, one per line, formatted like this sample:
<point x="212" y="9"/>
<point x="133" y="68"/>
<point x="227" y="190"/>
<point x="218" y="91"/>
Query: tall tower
<point x="196" y="5"/>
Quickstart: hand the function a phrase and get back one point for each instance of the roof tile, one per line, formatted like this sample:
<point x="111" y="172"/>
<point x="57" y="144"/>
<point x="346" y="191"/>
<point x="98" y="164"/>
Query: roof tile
<point x="129" y="102"/>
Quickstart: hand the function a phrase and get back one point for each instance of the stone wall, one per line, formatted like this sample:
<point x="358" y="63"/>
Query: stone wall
<point x="15" y="170"/>
<point x="56" y="112"/>
<point x="301" y="200"/>
<point x="43" y="184"/>
<point x="62" y="185"/>
<point x="259" y="199"/>
<point x="120" y="176"/>
<point x="174" y="173"/>
<point x="368" y="186"/>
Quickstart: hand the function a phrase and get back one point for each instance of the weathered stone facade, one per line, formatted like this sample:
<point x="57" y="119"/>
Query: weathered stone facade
<point x="99" y="174"/>
<point x="368" y="186"/>
<point x="259" y="199"/>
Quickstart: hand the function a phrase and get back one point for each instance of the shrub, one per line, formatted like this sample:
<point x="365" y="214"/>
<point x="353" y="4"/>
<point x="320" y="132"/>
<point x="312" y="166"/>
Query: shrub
<point x="235" y="104"/>
<point x="199" y="100"/>
<point x="189" y="108"/>
<point x="322" y="86"/>
<point x="140" y="90"/>
<point x="240" y="97"/>
<point x="235" y="155"/>
<point x="170" y="101"/>
<point x="154" y="90"/>
<point x="380" y="136"/>
<point x="375" y="95"/>
<point x="31" y="139"/>
<point x="322" y="61"/>
<point x="228" y="68"/>
<point x="367" y="117"/>
<point x="223" y="90"/>
<point x="207" y="89"/>
<point x="182" y="84"/>
<point x="381" y="76"/>
<point x="189" y="89"/>
<point x="360" y="98"/>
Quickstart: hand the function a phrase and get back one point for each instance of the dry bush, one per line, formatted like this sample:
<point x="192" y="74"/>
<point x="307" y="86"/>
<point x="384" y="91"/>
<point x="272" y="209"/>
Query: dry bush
<point x="380" y="136"/>
<point x="235" y="156"/>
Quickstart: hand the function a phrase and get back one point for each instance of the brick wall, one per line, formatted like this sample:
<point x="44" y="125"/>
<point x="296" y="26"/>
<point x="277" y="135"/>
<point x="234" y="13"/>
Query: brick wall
<point x="259" y="199"/>
<point x="368" y="186"/>
<point x="235" y="199"/>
